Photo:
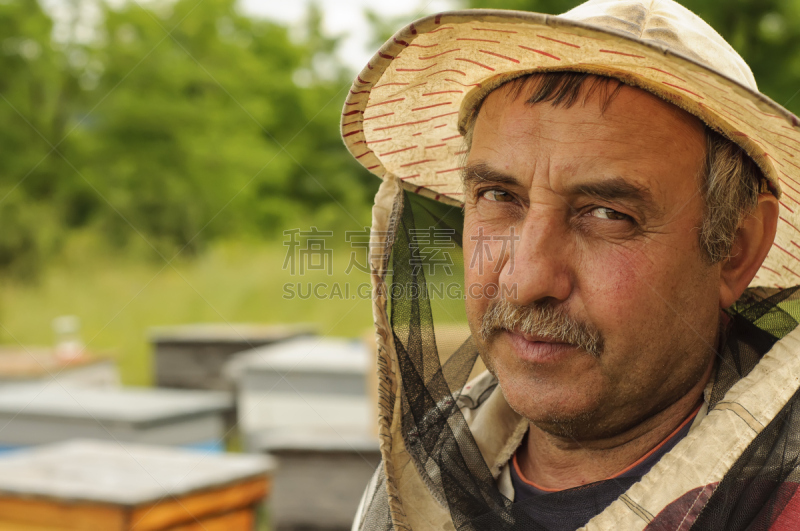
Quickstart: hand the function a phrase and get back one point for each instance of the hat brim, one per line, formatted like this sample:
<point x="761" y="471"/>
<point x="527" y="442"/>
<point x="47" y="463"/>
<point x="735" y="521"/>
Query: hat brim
<point x="404" y="111"/>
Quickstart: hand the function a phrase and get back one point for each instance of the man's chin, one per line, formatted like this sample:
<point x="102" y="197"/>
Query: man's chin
<point x="563" y="411"/>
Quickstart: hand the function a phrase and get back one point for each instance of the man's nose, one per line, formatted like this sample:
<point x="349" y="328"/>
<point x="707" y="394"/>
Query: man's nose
<point x="537" y="266"/>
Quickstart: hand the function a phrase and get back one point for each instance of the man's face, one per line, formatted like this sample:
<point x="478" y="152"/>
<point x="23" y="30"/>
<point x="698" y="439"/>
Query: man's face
<point x="604" y="209"/>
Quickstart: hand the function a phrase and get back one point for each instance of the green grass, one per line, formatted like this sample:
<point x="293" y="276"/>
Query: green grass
<point x="118" y="297"/>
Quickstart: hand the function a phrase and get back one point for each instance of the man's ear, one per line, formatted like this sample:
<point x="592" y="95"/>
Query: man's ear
<point x="753" y="241"/>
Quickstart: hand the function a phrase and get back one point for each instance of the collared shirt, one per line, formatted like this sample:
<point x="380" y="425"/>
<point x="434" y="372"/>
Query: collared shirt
<point x="567" y="510"/>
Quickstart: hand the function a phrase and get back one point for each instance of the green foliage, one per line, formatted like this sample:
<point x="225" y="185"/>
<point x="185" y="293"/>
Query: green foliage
<point x="766" y="33"/>
<point x="168" y="129"/>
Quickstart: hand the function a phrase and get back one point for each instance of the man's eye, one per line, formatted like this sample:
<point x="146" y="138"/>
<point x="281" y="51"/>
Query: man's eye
<point x="607" y="213"/>
<point x="496" y="195"/>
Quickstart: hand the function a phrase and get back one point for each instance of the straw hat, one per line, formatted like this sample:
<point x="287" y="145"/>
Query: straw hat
<point x="405" y="113"/>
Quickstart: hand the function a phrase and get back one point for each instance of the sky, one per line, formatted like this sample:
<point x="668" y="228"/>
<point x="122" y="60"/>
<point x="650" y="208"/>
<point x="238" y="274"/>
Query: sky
<point x="347" y="17"/>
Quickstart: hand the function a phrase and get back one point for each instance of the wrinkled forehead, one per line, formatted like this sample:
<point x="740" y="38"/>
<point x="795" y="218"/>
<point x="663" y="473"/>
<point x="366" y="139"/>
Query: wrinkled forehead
<point x="590" y="101"/>
<point x="616" y="120"/>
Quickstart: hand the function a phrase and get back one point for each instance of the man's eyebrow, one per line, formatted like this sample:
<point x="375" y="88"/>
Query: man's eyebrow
<point x="481" y="173"/>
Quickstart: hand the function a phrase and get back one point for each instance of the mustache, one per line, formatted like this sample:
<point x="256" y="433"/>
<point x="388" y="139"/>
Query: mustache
<point x="544" y="320"/>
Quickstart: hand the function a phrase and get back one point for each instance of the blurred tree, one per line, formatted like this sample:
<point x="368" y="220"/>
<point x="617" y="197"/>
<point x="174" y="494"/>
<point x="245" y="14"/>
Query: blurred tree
<point x="210" y="128"/>
<point x="170" y="122"/>
<point x="765" y="32"/>
<point x="35" y="99"/>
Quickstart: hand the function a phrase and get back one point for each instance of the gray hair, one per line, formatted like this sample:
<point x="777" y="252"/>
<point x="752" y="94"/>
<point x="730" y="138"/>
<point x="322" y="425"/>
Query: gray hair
<point x="730" y="180"/>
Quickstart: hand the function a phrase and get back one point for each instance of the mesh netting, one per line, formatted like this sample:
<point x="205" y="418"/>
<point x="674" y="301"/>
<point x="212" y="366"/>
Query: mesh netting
<point x="433" y="370"/>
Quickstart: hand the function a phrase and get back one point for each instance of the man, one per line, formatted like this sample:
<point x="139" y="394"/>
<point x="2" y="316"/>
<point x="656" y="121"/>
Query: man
<point x="619" y="196"/>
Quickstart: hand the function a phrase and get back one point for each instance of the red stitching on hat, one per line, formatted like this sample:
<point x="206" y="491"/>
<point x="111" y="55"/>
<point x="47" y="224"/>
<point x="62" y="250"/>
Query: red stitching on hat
<point x="364" y="154"/>
<point x="351" y="133"/>
<point x="622" y="53"/>
<point x="479" y="40"/>
<point x="500" y="56"/>
<point x="397" y="151"/>
<point x="431" y="106"/>
<point x="756" y="109"/>
<point x="447" y="70"/>
<point x="787" y="252"/>
<point x="435" y="146"/>
<point x="373" y="167"/>
<point x="444" y="92"/>
<point x="788" y="146"/>
<point x="475" y="63"/>
<point x="354" y="103"/>
<point x="716" y="87"/>
<point x="779" y="149"/>
<point x="415" y="163"/>
<point x="450" y="138"/>
<point x="558" y="41"/>
<point x="413" y="29"/>
<point x="379" y="116"/>
<point x="404" y="43"/>
<point x="789" y="222"/>
<point x="384" y="103"/>
<point x="793" y="164"/>
<point x="441" y="29"/>
<point x="789" y="270"/>
<point x="436" y="198"/>
<point x="378" y="141"/>
<point x="385" y="56"/>
<point x="495" y="30"/>
<point x="388" y="85"/>
<point x="438" y="54"/>
<point x="438" y="18"/>
<point x="665" y="72"/>
<point x="786" y="207"/>
<point x="540" y="52"/>
<point x="438" y="126"/>
<point x="351" y="113"/>
<point x="423" y="45"/>
<point x="369" y="65"/>
<point x="359" y="142"/>
<point x="683" y="89"/>
<point x="767" y="155"/>
<point x="784" y="136"/>
<point x="415" y="69"/>
<point x="414" y="123"/>
<point x="460" y="152"/>
<point x="409" y="177"/>
<point x="792" y="188"/>
<point x="417" y="134"/>
<point x="353" y="122"/>
<point x="362" y="81"/>
<point x="462" y="84"/>
<point x="728" y="114"/>
<point x="772" y="270"/>
<point x="360" y="91"/>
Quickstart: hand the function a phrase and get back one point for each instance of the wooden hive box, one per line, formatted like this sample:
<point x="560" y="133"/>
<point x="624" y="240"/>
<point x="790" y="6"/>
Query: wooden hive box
<point x="100" y="485"/>
<point x="28" y="364"/>
<point x="301" y="383"/>
<point x="192" y="356"/>
<point x="34" y="414"/>
<point x="320" y="476"/>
